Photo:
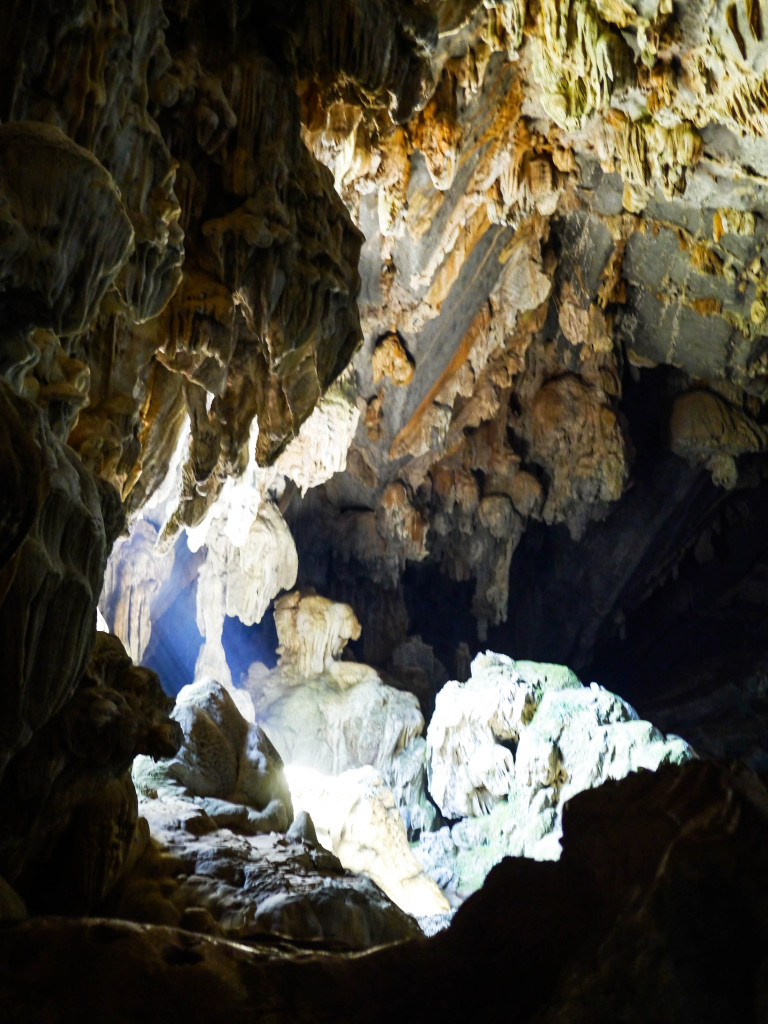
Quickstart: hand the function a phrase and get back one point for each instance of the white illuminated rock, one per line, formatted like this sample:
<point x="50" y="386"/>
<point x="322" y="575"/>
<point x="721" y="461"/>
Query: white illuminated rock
<point x="224" y="756"/>
<point x="579" y="739"/>
<point x="218" y="814"/>
<point x="312" y="632"/>
<point x="323" y="713"/>
<point x="321" y="724"/>
<point x="356" y="818"/>
<point x="469" y="768"/>
<point x="245" y="554"/>
<point x="509" y="747"/>
<point x="334" y="715"/>
<point x="321" y="448"/>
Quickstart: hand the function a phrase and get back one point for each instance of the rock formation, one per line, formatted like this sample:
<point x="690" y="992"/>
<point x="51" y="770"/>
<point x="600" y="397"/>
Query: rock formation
<point x="356" y="817"/>
<point x="226" y="857"/>
<point x="453" y="312"/>
<point x="656" y="909"/>
<point x="322" y="712"/>
<point x="506" y="752"/>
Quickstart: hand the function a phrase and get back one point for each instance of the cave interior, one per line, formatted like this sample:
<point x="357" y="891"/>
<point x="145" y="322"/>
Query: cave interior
<point x="384" y="510"/>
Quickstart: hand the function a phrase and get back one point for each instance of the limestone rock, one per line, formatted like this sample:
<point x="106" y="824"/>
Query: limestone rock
<point x="223" y="756"/>
<point x="652" y="865"/>
<point x="312" y="632"/>
<point x="250" y="880"/>
<point x="61" y="527"/>
<point x="355" y="815"/>
<point x="558" y="209"/>
<point x="220" y="859"/>
<point x="332" y="726"/>
<point x="391" y="360"/>
<point x="579" y="739"/>
<point x="705" y="428"/>
<point x="238" y="558"/>
<point x="72" y="826"/>
<point x="407" y="778"/>
<point x="332" y="715"/>
<point x="66" y="234"/>
<point x="337" y="720"/>
<point x="475" y="727"/>
<point x="507" y="749"/>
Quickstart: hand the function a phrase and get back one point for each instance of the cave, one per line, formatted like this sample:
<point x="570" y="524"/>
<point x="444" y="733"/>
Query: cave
<point x="384" y="510"/>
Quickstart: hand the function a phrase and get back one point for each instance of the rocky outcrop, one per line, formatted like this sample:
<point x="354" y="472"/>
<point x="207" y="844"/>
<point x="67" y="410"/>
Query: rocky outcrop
<point x="224" y="757"/>
<point x="72" y="828"/>
<point x="59" y="522"/>
<point x="552" y="216"/>
<point x="206" y="289"/>
<point x="509" y="748"/>
<point x="654" y="864"/>
<point x="237" y="559"/>
<point x="223" y="859"/>
<point x="356" y="817"/>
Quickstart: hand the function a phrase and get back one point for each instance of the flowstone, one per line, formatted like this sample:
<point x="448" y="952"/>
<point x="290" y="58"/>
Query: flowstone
<point x="332" y="715"/>
<point x="357" y="819"/>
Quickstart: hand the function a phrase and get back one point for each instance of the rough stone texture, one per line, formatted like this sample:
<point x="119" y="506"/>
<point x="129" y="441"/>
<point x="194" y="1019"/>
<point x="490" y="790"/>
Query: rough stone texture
<point x="356" y="817"/>
<point x="509" y="748"/>
<point x="561" y="213"/>
<point x="323" y="713"/>
<point x="66" y="237"/>
<point x="256" y="288"/>
<point x="220" y="860"/>
<point x="567" y="245"/>
<point x="237" y="559"/>
<point x="73" y="715"/>
<point x="224" y="756"/>
<point x="477" y="726"/>
<point x="68" y="803"/>
<point x="653" y="865"/>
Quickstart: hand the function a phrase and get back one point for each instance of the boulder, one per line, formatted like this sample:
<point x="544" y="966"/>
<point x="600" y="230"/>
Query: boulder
<point x="223" y="756"/>
<point x="470" y="763"/>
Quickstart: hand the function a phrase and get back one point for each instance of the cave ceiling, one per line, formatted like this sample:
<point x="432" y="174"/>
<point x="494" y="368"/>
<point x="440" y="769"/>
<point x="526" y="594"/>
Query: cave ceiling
<point x="530" y="239"/>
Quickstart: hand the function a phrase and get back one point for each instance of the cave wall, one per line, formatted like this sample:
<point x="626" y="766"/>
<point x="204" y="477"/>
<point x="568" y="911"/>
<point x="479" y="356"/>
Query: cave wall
<point x="562" y="376"/>
<point x="536" y="233"/>
<point x="173" y="259"/>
